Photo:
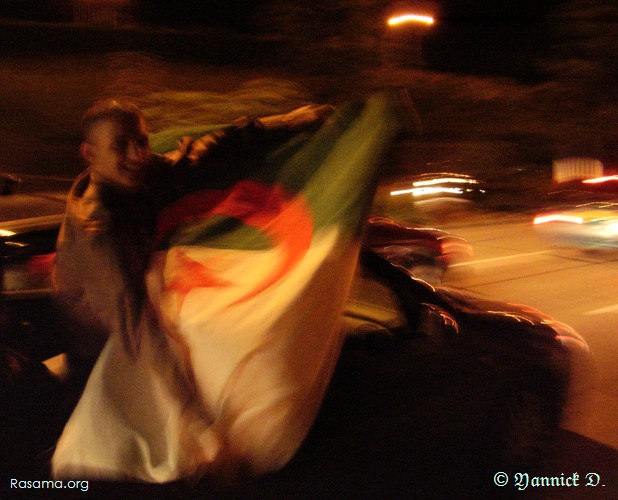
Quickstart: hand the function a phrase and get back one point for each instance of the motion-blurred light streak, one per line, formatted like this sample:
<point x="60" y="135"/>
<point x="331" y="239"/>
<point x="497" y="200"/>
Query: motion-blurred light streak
<point x="558" y="218"/>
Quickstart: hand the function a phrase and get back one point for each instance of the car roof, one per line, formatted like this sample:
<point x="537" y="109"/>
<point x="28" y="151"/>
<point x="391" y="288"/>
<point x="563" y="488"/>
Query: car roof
<point x="31" y="204"/>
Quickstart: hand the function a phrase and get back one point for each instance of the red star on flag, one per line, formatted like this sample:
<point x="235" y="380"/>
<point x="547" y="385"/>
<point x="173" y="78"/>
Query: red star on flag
<point x="192" y="274"/>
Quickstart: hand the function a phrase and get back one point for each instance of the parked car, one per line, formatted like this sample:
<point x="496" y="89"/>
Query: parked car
<point x="30" y="320"/>
<point x="590" y="225"/>
<point x="424" y="251"/>
<point x="519" y="359"/>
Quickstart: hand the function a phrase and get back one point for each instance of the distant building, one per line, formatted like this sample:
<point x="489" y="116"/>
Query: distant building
<point x="568" y="169"/>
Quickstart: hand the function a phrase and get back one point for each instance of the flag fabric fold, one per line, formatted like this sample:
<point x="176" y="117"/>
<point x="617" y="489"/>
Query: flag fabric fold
<point x="242" y="334"/>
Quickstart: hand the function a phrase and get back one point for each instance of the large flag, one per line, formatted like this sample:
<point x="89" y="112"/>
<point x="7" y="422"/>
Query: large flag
<point x="247" y="288"/>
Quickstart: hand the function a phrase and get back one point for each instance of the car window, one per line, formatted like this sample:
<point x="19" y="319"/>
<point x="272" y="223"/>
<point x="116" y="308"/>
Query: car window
<point x="372" y="306"/>
<point x="27" y="261"/>
<point x="29" y="243"/>
<point x="35" y="273"/>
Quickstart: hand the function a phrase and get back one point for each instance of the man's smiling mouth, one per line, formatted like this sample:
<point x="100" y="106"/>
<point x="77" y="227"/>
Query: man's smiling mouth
<point x="133" y="167"/>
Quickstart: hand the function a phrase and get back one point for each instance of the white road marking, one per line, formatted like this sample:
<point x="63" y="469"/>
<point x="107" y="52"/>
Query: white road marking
<point x="602" y="310"/>
<point x="496" y="259"/>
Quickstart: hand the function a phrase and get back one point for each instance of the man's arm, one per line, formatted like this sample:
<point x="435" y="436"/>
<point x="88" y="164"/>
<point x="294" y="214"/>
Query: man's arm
<point x="307" y="117"/>
<point x="247" y="137"/>
<point x="231" y="151"/>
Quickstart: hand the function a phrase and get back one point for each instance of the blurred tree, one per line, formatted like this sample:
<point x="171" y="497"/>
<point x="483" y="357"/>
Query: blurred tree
<point x="36" y="10"/>
<point x="233" y="15"/>
<point x="584" y="41"/>
<point x="352" y="20"/>
<point x="347" y="30"/>
<point x="582" y="62"/>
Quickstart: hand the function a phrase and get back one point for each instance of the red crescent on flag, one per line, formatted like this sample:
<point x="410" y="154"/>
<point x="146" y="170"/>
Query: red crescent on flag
<point x="284" y="218"/>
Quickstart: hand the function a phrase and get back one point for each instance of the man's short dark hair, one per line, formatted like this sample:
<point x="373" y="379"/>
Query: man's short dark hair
<point x="118" y="110"/>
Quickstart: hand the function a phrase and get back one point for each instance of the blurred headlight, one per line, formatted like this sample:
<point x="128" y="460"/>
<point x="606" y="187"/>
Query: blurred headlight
<point x="612" y="228"/>
<point x="542" y="219"/>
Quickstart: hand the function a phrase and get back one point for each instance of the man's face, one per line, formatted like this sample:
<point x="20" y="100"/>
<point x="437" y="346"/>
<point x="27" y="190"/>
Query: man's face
<point x="118" y="152"/>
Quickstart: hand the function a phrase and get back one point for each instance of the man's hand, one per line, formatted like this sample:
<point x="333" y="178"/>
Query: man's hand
<point x="306" y="117"/>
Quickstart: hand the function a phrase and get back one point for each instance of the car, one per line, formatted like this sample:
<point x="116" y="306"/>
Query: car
<point x="499" y="372"/>
<point x="589" y="225"/>
<point x="579" y="191"/>
<point x="531" y="357"/>
<point x="31" y="321"/>
<point x="426" y="252"/>
<point x="439" y="185"/>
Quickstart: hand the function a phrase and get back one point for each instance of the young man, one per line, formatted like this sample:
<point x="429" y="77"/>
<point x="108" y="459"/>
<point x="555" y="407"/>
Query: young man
<point x="222" y="369"/>
<point x="104" y="244"/>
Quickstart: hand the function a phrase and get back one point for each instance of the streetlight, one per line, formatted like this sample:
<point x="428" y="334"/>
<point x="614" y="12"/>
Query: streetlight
<point x="403" y="39"/>
<point x="410" y="18"/>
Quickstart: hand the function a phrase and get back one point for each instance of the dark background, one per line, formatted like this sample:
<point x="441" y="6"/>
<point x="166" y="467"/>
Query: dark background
<point x="502" y="37"/>
<point x="503" y="83"/>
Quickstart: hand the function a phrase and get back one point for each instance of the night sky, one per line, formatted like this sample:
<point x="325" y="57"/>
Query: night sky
<point x="502" y="37"/>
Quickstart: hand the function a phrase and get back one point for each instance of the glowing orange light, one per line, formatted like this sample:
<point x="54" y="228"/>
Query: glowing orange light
<point x="410" y="18"/>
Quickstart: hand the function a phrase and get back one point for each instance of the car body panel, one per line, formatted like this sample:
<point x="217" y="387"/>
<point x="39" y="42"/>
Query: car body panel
<point x="492" y="316"/>
<point x="27" y="254"/>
